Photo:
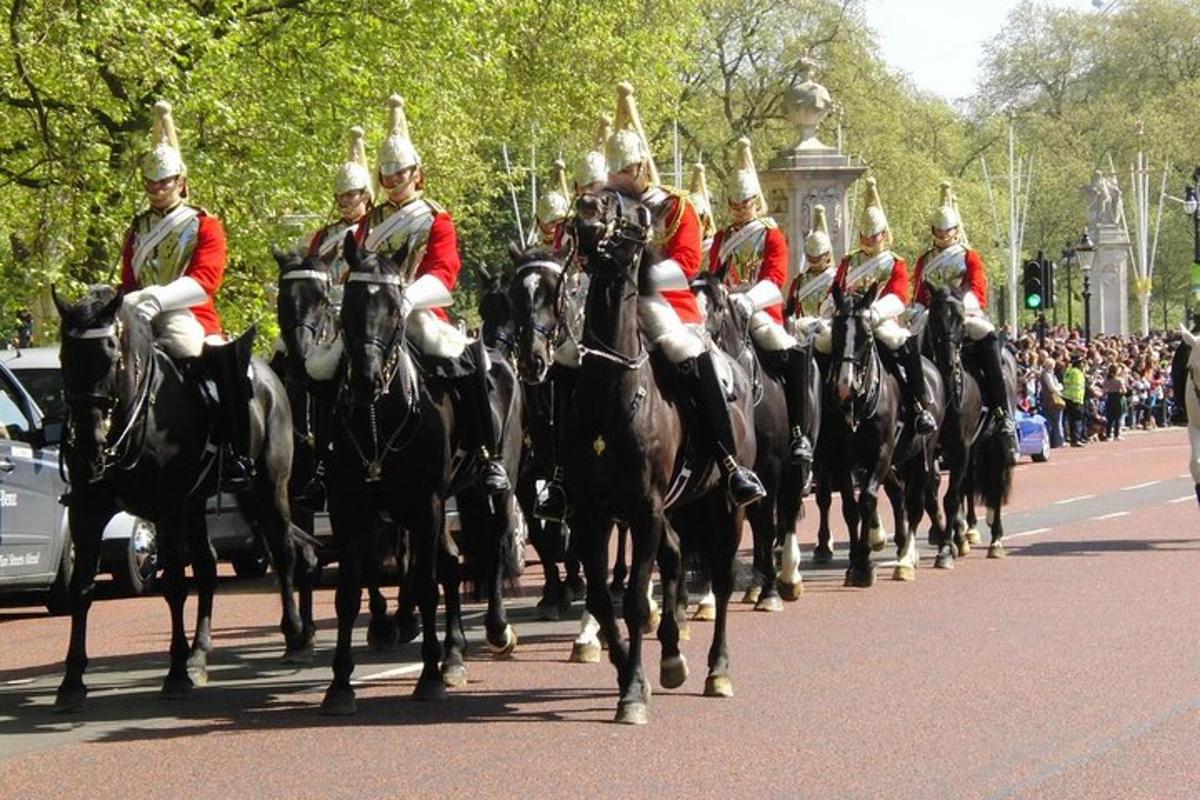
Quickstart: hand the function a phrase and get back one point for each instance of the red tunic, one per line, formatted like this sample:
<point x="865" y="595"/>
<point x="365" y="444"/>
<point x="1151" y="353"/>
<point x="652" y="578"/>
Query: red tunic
<point x="773" y="266"/>
<point x="441" y="257"/>
<point x="897" y="282"/>
<point x="975" y="279"/>
<point x="683" y="247"/>
<point x="206" y="267"/>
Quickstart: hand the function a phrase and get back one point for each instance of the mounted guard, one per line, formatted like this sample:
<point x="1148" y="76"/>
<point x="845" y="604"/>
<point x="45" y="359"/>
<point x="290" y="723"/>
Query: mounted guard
<point x="669" y="313"/>
<point x="750" y="255"/>
<point x="875" y="263"/>
<point x="172" y="265"/>
<point x="702" y="201"/>
<point x="352" y="200"/>
<point x="950" y="262"/>
<point x="553" y="208"/>
<point x="420" y="235"/>
<point x="809" y="308"/>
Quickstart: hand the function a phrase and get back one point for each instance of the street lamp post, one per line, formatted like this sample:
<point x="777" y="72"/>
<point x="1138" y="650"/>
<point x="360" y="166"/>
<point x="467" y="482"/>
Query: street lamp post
<point x="1191" y="206"/>
<point x="1085" y="251"/>
<point x="1068" y="259"/>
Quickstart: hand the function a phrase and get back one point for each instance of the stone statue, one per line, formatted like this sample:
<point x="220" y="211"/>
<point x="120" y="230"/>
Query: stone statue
<point x="806" y="105"/>
<point x="1103" y="196"/>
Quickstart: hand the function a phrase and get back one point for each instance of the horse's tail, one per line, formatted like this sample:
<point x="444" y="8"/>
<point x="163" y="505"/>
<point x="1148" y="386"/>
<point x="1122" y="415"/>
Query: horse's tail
<point x="993" y="475"/>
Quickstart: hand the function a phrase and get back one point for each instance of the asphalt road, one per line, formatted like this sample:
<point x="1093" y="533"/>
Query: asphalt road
<point x="1071" y="669"/>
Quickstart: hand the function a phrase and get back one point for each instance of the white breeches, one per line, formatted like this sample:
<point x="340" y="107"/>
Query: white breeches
<point x="977" y="326"/>
<point x="769" y="334"/>
<point x="667" y="331"/>
<point x="181" y="335"/>
<point x="890" y="333"/>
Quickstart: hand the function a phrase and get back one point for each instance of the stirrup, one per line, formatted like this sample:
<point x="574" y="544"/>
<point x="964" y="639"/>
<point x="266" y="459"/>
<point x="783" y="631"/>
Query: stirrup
<point x="493" y="478"/>
<point x="237" y="474"/>
<point x="743" y="485"/>
<point x="923" y="421"/>
<point x="552" y="505"/>
<point x="802" y="449"/>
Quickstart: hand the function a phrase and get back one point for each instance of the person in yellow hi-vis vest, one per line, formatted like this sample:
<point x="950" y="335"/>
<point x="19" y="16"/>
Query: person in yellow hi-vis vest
<point x="1073" y="393"/>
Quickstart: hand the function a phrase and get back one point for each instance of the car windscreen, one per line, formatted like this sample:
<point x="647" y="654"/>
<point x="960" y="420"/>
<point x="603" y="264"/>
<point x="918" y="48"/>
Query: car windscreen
<point x="45" y="385"/>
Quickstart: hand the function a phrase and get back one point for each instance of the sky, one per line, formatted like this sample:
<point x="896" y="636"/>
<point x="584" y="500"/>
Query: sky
<point x="951" y="69"/>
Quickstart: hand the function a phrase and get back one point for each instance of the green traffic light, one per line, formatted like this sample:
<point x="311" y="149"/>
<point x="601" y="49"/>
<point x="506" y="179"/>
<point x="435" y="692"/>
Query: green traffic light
<point x="1033" y="301"/>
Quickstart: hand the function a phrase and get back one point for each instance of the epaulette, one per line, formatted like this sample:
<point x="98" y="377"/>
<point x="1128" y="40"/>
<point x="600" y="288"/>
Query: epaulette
<point x="434" y="206"/>
<point x="769" y="223"/>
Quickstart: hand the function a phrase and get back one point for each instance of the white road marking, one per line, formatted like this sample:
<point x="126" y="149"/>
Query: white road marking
<point x="1113" y="515"/>
<point x="1183" y="499"/>
<point x="396" y="672"/>
<point x="19" y="681"/>
<point x="1138" y="486"/>
<point x="1074" y="499"/>
<point x="1033" y="532"/>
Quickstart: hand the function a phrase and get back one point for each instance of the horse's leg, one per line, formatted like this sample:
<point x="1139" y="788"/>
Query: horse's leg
<point x="449" y="572"/>
<point x="87" y="520"/>
<point x="971" y="535"/>
<point x="620" y="570"/>
<point x="791" y="583"/>
<point x="706" y="608"/>
<point x="823" y="552"/>
<point x="724" y="530"/>
<point x="348" y="522"/>
<point x="406" y="622"/>
<point x="425" y="534"/>
<point x="591" y="535"/>
<point x="381" y="630"/>
<point x="646" y="527"/>
<point x="859" y="569"/>
<point x="762" y="517"/>
<point x="177" y="685"/>
<point x="550" y="605"/>
<point x="673" y="670"/>
<point x="574" y="577"/>
<point x="204" y="572"/>
<point x="952" y="506"/>
<point x="995" y="505"/>
<point x="268" y="505"/>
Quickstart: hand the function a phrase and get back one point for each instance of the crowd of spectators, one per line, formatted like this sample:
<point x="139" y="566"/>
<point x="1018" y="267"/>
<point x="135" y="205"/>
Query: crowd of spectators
<point x="1092" y="391"/>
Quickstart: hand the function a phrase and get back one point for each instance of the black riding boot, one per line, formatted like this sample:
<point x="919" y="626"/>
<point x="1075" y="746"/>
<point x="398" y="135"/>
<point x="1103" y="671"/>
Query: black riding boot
<point x="987" y="355"/>
<point x="227" y="366"/>
<point x="912" y="383"/>
<point x="554" y="504"/>
<point x="744" y="486"/>
<point x="1179" y="364"/>
<point x="796" y="364"/>
<point x="474" y="401"/>
<point x="313" y="495"/>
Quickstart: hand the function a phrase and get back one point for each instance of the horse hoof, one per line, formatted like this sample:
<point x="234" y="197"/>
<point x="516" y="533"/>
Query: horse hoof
<point x="822" y="555"/>
<point x="652" y="621"/>
<point x="972" y="536"/>
<point x="945" y="560"/>
<point x="791" y="591"/>
<point x="878" y="539"/>
<point x="904" y="572"/>
<point x="454" y="675"/>
<point x="198" y="674"/>
<point x="718" y="686"/>
<point x="69" y="699"/>
<point x="997" y="550"/>
<point x="963" y="547"/>
<point x="339" y="702"/>
<point x="705" y="613"/>
<point x="860" y="579"/>
<point x="176" y="688"/>
<point x="771" y="603"/>
<point x="407" y="629"/>
<point x="673" y="672"/>
<point x="548" y="611"/>
<point x="382" y="634"/>
<point x="752" y="594"/>
<point x="302" y="655"/>
<point x="685" y="631"/>
<point x="429" y="689"/>
<point x="504" y="649"/>
<point x="632" y="714"/>
<point x="585" y="653"/>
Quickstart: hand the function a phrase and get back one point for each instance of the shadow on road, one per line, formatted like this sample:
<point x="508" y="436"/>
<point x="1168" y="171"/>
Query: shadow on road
<point x="1101" y="546"/>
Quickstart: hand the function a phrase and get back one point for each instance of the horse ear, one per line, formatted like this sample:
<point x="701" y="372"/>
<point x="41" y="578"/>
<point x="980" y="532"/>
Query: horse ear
<point x="114" y="305"/>
<point x="350" y="251"/>
<point x="279" y="256"/>
<point x="515" y="252"/>
<point x="59" y="303"/>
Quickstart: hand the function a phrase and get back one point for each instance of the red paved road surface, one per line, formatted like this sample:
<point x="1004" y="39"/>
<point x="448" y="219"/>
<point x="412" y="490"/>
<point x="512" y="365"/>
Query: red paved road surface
<point x="1068" y="670"/>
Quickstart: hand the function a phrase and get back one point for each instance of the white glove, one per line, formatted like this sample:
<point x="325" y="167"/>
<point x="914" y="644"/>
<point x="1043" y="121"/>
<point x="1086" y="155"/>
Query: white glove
<point x="406" y="306"/>
<point x="742" y="304"/>
<point x="146" y="306"/>
<point x="873" y="316"/>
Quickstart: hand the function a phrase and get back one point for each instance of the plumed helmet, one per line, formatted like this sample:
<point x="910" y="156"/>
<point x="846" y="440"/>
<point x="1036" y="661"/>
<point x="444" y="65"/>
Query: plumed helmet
<point x="946" y="216"/>
<point x="872" y="220"/>
<point x="628" y="144"/>
<point x="354" y="175"/>
<point x="397" y="151"/>
<point x="698" y="190"/>
<point x="817" y="242"/>
<point x="592" y="166"/>
<point x="555" y="203"/>
<point x="164" y="159"/>
<point x="743" y="184"/>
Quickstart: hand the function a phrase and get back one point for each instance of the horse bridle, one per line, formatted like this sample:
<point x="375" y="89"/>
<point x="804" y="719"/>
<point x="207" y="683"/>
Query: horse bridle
<point x="871" y="401"/>
<point x="317" y="329"/>
<point x="117" y="453"/>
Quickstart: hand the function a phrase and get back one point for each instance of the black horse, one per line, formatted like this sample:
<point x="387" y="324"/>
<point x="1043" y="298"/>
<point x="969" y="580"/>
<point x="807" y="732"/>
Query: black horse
<point x="773" y="519"/>
<point x="631" y="456"/>
<point x="974" y="457"/>
<point x="394" y="453"/>
<point x="141" y="438"/>
<point x="500" y="331"/>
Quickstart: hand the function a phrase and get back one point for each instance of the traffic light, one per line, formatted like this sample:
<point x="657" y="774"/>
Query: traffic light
<point x="1047" y="283"/>
<point x="1034" y="296"/>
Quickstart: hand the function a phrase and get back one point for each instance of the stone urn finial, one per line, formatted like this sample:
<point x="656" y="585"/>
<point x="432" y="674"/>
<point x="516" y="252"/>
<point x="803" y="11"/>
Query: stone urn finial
<point x="806" y="105"/>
